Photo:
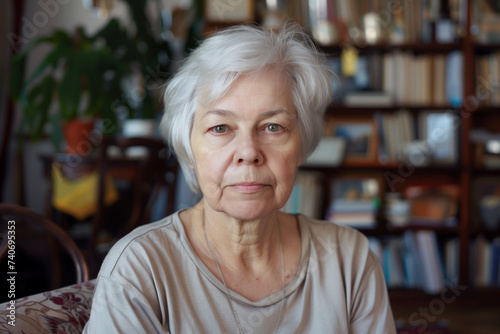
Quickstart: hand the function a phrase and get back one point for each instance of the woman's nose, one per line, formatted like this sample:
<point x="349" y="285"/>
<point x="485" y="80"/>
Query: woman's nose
<point x="248" y="150"/>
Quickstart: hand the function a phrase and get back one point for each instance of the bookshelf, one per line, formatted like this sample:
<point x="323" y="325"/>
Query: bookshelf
<point x="424" y="43"/>
<point x="464" y="169"/>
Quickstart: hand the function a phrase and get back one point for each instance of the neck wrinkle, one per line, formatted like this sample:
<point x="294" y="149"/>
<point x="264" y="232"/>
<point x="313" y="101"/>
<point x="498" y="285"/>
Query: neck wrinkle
<point x="247" y="244"/>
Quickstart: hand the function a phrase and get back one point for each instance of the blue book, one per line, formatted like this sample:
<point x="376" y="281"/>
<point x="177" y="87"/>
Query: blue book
<point x="495" y="263"/>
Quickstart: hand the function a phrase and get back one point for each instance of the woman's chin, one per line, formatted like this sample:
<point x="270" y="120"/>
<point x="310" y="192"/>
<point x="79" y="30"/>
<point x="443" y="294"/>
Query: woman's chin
<point x="248" y="210"/>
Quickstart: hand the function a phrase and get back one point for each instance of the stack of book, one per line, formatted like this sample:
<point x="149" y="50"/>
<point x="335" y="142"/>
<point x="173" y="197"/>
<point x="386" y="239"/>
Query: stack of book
<point x="353" y="213"/>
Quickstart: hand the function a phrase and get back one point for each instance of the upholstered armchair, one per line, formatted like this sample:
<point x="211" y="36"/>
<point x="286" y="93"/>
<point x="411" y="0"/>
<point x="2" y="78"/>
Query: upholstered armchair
<point x="61" y="311"/>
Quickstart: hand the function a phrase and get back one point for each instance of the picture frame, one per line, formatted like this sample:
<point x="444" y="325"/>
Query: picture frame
<point x="360" y="135"/>
<point x="440" y="130"/>
<point x="355" y="188"/>
<point x="229" y="11"/>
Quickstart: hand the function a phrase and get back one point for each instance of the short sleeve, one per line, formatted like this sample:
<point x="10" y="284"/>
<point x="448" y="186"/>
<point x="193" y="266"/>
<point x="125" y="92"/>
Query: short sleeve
<point x="371" y="309"/>
<point x="130" y="312"/>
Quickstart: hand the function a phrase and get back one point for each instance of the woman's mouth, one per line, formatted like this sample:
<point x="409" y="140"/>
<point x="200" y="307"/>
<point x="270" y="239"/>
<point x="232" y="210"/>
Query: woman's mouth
<point x="248" y="187"/>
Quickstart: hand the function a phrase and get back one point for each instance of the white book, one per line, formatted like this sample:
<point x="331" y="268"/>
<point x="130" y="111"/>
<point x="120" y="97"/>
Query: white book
<point x="429" y="253"/>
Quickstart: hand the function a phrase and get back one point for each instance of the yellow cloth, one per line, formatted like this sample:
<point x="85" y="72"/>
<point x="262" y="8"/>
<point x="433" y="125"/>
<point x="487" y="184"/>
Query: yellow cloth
<point x="79" y="197"/>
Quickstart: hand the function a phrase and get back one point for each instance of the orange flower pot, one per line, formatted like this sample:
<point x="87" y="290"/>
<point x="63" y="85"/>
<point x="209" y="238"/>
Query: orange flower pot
<point x="78" y="134"/>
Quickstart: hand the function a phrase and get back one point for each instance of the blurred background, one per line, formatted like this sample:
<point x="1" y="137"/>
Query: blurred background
<point x="410" y="153"/>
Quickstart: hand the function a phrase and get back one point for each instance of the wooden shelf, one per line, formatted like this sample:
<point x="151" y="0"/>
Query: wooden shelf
<point x="386" y="47"/>
<point x="487" y="110"/>
<point x="390" y="166"/>
<point x="466" y="295"/>
<point x="383" y="228"/>
<point x="486" y="47"/>
<point x="343" y="110"/>
<point x="490" y="233"/>
<point x="444" y="229"/>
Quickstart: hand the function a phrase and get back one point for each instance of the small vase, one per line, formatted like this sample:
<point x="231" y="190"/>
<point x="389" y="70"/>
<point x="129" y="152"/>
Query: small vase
<point x="78" y="135"/>
<point x="139" y="128"/>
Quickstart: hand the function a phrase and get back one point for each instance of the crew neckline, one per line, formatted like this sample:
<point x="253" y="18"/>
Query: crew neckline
<point x="266" y="301"/>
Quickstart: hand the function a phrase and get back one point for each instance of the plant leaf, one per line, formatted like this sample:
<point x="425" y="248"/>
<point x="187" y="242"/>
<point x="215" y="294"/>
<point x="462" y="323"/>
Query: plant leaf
<point x="37" y="110"/>
<point x="70" y="88"/>
<point x="56" y="136"/>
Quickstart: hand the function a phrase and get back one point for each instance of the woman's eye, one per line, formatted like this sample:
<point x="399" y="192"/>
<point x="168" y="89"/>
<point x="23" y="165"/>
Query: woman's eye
<point x="220" y="129"/>
<point x="273" y="127"/>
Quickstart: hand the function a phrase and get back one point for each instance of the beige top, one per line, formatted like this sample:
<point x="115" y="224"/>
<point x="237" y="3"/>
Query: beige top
<point x="152" y="282"/>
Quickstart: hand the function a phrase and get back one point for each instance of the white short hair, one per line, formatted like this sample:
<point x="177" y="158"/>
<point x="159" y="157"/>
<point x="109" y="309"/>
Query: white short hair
<point x="214" y="66"/>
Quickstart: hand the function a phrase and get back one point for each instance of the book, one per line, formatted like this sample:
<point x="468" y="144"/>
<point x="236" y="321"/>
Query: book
<point x="433" y="277"/>
<point x="368" y="98"/>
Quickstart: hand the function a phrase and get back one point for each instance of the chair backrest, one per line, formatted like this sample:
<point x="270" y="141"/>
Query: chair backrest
<point x="16" y="221"/>
<point x="148" y="168"/>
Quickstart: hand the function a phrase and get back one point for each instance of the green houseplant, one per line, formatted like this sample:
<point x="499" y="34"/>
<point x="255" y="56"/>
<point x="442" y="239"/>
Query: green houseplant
<point x="82" y="76"/>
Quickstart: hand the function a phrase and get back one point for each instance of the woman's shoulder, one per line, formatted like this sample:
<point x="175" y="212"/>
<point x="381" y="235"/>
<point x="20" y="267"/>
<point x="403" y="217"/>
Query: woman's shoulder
<point x="326" y="229"/>
<point x="141" y="245"/>
<point x="329" y="236"/>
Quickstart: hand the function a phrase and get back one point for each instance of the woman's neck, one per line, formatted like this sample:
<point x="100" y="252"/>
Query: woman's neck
<point x="240" y="242"/>
<point x="248" y="252"/>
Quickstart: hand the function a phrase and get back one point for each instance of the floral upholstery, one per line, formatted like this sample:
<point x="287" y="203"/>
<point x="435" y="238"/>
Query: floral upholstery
<point x="61" y="311"/>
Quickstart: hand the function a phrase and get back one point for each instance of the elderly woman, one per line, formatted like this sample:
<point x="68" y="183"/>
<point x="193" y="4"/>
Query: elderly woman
<point x="242" y="113"/>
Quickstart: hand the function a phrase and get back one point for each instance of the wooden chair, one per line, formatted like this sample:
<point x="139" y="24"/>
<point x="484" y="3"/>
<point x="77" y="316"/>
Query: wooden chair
<point x="146" y="166"/>
<point x="35" y="234"/>
<point x="142" y="169"/>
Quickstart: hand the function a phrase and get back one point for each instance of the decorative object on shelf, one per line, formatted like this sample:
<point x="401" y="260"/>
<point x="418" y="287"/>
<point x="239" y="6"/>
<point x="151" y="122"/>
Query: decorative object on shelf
<point x="322" y="21"/>
<point x="360" y="136"/>
<point x="355" y="200"/>
<point x="486" y="21"/>
<point x="486" y="147"/>
<point x="373" y="28"/>
<point x="433" y="202"/>
<point x="139" y="128"/>
<point x="328" y="153"/>
<point x="440" y="131"/>
<point x="418" y="153"/>
<point x="229" y="11"/>
<point x="489" y="209"/>
<point x="485" y="198"/>
<point x="397" y="209"/>
<point x="273" y="13"/>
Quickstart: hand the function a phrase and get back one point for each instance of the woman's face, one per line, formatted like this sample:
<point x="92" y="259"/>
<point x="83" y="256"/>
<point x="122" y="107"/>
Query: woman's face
<point x="247" y="147"/>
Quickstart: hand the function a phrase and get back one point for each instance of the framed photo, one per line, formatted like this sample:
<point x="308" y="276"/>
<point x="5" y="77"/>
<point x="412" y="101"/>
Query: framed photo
<point x="360" y="136"/>
<point x="440" y="131"/>
<point x="229" y="11"/>
<point x="355" y="188"/>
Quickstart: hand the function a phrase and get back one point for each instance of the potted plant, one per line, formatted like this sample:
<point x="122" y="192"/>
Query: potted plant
<point x="82" y="78"/>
